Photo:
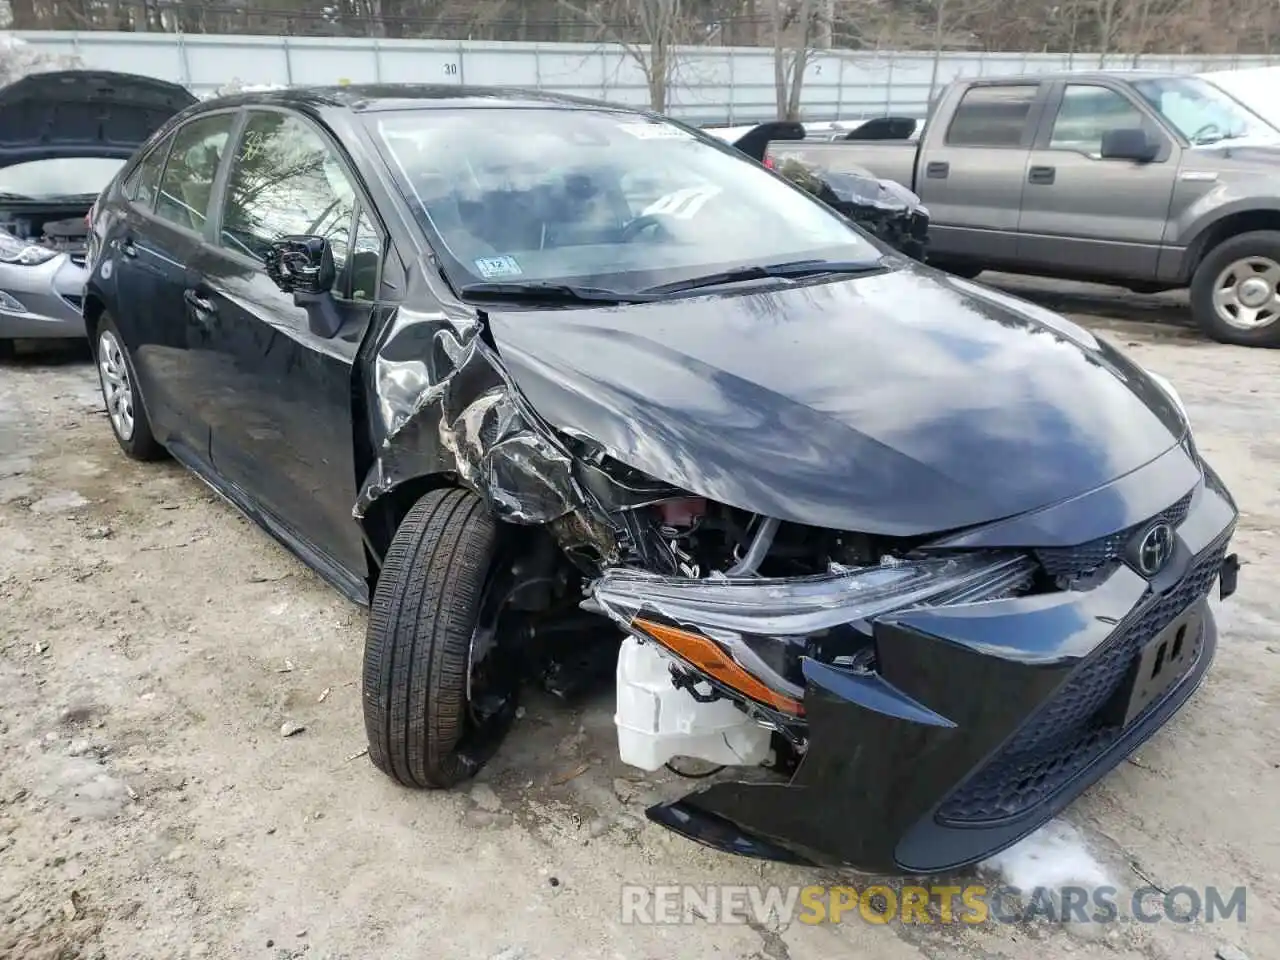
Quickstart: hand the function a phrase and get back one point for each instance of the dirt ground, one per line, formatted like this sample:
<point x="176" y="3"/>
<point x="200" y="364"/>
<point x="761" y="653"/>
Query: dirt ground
<point x="153" y="643"/>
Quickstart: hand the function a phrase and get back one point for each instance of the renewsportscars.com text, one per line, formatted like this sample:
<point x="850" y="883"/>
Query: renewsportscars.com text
<point x="939" y="904"/>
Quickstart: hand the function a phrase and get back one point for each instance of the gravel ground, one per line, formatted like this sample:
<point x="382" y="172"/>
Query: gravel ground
<point x="153" y="643"/>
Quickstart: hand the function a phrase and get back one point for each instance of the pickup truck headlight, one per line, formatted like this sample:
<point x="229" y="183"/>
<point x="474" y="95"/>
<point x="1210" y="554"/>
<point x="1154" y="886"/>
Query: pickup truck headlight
<point x="14" y="250"/>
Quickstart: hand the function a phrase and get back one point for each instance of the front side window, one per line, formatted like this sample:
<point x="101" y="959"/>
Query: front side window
<point x="1088" y="112"/>
<point x="286" y="180"/>
<point x="598" y="197"/>
<point x="992" y="116"/>
<point x="59" y="178"/>
<point x="187" y="182"/>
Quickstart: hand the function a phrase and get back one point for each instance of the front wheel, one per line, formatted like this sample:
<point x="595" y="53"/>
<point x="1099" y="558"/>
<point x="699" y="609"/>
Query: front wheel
<point x="439" y="685"/>
<point x="1235" y="293"/>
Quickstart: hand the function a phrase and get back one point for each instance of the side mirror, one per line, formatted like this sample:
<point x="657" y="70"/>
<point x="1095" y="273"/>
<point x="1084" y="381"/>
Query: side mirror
<point x="304" y="266"/>
<point x="1129" y="143"/>
<point x="301" y="264"/>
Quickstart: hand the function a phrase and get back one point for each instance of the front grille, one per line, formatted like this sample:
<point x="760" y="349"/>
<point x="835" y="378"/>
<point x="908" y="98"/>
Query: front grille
<point x="1069" y="732"/>
<point x="1066" y="564"/>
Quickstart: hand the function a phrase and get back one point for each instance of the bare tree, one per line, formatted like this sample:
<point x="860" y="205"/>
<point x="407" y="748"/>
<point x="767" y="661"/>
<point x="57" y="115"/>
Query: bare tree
<point x="649" y="32"/>
<point x="799" y="28"/>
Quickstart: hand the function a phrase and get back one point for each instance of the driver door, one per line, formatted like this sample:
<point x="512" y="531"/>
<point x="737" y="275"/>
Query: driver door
<point x="1093" y="216"/>
<point x="282" y="412"/>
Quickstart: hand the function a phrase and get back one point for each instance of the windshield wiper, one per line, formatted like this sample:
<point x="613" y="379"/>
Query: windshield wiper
<point x="791" y="269"/>
<point x="546" y="291"/>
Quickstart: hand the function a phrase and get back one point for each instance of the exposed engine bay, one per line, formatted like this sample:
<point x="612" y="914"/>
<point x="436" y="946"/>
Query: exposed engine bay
<point x="53" y="229"/>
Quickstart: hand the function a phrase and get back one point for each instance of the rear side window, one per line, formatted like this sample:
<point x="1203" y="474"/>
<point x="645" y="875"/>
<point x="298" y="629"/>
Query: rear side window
<point x="183" y="197"/>
<point x="144" y="181"/>
<point x="992" y="116"/>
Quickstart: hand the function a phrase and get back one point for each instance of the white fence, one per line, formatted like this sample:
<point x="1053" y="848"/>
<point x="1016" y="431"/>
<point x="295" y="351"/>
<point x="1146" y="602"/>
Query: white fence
<point x="712" y="84"/>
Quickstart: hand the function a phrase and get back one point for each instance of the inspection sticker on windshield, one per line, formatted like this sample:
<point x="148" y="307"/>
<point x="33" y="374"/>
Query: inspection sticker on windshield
<point x="493" y="267"/>
<point x="654" y="131"/>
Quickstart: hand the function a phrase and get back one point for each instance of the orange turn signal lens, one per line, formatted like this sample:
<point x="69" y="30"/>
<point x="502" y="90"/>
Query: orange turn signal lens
<point x="704" y="654"/>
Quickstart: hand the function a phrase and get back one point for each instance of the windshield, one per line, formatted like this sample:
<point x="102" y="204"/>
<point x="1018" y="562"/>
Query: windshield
<point x="600" y="199"/>
<point x="1254" y="89"/>
<point x="1200" y="111"/>
<point x="59" y="177"/>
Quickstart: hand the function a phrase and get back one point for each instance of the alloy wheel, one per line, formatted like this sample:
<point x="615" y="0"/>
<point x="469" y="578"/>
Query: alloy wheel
<point x="117" y="388"/>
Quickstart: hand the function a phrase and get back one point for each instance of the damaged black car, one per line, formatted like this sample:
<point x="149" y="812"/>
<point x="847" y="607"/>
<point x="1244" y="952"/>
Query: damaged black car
<point x="914" y="560"/>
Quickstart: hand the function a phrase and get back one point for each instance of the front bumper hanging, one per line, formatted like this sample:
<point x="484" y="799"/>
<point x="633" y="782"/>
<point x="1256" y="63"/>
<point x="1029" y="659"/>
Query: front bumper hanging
<point x="979" y="722"/>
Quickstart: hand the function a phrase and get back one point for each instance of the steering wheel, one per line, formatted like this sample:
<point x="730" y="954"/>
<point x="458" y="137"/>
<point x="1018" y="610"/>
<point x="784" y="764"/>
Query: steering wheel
<point x="1204" y="131"/>
<point x="646" y="221"/>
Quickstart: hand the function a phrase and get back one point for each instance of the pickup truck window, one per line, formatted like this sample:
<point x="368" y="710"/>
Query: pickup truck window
<point x="1089" y="111"/>
<point x="1200" y="111"/>
<point x="992" y="116"/>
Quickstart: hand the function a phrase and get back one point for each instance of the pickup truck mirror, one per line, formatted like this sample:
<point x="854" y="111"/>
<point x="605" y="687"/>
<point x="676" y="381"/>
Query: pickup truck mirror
<point x="1129" y="143"/>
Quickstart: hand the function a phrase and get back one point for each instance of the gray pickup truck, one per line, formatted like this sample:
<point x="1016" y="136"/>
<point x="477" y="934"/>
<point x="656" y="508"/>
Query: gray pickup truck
<point x="1149" y="181"/>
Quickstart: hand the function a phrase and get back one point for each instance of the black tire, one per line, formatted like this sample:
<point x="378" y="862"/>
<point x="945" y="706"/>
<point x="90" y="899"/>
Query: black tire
<point x="136" y="440"/>
<point x="1260" y="244"/>
<point x="422" y="730"/>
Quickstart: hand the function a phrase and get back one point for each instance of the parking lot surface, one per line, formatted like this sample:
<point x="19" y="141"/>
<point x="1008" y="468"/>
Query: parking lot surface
<point x="154" y="646"/>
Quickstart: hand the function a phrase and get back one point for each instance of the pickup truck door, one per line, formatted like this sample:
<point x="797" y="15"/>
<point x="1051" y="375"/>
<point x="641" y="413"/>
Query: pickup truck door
<point x="972" y="172"/>
<point x="1083" y="214"/>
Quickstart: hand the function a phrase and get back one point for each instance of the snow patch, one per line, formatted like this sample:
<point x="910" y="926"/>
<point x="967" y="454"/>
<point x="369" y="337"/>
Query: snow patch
<point x="1053" y="857"/>
<point x="236" y="85"/>
<point x="19" y="59"/>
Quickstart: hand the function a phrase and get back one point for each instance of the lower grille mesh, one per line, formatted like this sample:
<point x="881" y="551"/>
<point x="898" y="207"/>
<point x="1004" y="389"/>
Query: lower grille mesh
<point x="1068" y="733"/>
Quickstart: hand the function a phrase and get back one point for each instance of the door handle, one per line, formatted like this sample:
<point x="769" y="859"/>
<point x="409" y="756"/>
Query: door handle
<point x="128" y="248"/>
<point x="204" y="308"/>
<point x="1042" y="174"/>
<point x="937" y="170"/>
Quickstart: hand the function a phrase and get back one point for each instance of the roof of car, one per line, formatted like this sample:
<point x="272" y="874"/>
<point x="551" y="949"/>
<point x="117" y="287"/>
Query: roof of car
<point x="1114" y="74"/>
<point x="402" y="96"/>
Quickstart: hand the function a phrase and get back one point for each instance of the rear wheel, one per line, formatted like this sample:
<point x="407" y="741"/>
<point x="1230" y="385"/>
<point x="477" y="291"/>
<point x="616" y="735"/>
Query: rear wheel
<point x="440" y="679"/>
<point x="120" y="392"/>
<point x="1235" y="293"/>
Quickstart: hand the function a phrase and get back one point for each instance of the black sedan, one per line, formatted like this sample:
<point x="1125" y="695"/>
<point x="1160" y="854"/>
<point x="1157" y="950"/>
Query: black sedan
<point x="540" y="378"/>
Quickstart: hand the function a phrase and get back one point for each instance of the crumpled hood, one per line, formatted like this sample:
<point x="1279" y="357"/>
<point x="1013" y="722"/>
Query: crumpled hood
<point x="900" y="403"/>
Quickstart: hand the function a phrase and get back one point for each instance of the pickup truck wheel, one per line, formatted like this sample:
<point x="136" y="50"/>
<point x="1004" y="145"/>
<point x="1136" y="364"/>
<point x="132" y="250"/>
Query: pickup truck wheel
<point x="440" y="683"/>
<point x="1235" y="293"/>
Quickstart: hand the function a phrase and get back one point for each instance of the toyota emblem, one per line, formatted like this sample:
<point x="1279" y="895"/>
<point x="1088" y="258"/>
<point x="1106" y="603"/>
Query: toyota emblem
<point x="1153" y="549"/>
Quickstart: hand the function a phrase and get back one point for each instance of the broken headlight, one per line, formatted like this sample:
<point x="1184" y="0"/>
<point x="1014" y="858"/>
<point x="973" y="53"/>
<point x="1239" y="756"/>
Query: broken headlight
<point x="752" y="635"/>
<point x="14" y="250"/>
